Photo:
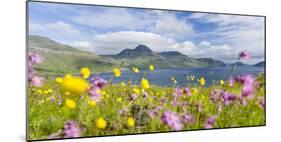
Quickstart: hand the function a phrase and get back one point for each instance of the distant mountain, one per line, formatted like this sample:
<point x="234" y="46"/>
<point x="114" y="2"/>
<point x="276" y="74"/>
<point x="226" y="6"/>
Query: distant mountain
<point x="61" y="59"/>
<point x="140" y="50"/>
<point x="260" y="64"/>
<point x="142" y="56"/>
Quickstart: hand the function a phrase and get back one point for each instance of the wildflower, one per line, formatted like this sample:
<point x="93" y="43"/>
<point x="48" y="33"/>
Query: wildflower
<point x="177" y="92"/>
<point x="123" y="111"/>
<point x="50" y="91"/>
<point x="219" y="107"/>
<point x="221" y="82"/>
<point x="209" y="123"/>
<point x="70" y="103"/>
<point x="59" y="80"/>
<point x="215" y="95"/>
<point x="131" y="122"/>
<point x="133" y="97"/>
<point x="145" y="83"/>
<point x="92" y="103"/>
<point x="192" y="78"/>
<point x="261" y="102"/>
<point x="95" y="93"/>
<point x="123" y="84"/>
<point x="188" y="118"/>
<point x="98" y="82"/>
<point x="100" y="123"/>
<point x="135" y="70"/>
<point x="119" y="99"/>
<point x="172" y="120"/>
<point x="67" y="93"/>
<point x="172" y="78"/>
<point x="151" y="67"/>
<point x="244" y="55"/>
<point x="117" y="72"/>
<point x="85" y="72"/>
<point x="136" y="90"/>
<point x="202" y="81"/>
<point x="194" y="91"/>
<point x="186" y="91"/>
<point x="75" y="85"/>
<point x="230" y="82"/>
<point x="228" y="97"/>
<point x="145" y="94"/>
<point x="175" y="82"/>
<point x="35" y="58"/>
<point x="36" y="81"/>
<point x="71" y="129"/>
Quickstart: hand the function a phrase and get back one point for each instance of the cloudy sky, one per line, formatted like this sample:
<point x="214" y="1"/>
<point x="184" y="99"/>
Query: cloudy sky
<point x="106" y="30"/>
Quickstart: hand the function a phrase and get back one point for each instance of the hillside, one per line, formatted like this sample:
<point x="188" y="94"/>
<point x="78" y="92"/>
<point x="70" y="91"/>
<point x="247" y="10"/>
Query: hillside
<point x="61" y="59"/>
<point x="260" y="64"/>
<point x="142" y="56"/>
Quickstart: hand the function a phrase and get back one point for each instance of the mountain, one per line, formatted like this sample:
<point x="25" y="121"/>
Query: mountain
<point x="260" y="64"/>
<point x="140" y="50"/>
<point x="61" y="58"/>
<point x="240" y="64"/>
<point x="142" y="56"/>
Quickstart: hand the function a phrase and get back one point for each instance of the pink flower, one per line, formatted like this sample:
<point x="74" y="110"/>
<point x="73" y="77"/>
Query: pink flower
<point x="172" y="120"/>
<point x="95" y="93"/>
<point x="244" y="55"/>
<point x="215" y="95"/>
<point x="188" y="118"/>
<point x="36" y="81"/>
<point x="228" y="97"/>
<point x="209" y="123"/>
<point x="71" y="129"/>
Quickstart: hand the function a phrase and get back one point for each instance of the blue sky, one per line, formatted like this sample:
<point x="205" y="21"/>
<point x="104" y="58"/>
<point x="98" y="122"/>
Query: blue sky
<point x="107" y="30"/>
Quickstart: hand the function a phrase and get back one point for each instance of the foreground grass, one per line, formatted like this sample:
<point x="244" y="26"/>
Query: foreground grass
<point x="48" y="112"/>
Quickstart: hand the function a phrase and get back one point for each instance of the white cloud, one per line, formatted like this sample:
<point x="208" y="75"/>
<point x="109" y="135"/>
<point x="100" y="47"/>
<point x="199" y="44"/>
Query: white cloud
<point x="62" y="27"/>
<point x="239" y="32"/>
<point x="85" y="45"/>
<point x="112" y="19"/>
<point x="169" y="26"/>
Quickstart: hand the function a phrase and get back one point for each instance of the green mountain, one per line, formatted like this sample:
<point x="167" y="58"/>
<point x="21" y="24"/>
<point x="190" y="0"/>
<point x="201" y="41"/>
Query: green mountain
<point x="142" y="56"/>
<point x="61" y="59"/>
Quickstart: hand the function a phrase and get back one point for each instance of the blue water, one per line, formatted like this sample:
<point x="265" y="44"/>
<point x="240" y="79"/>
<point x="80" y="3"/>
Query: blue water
<point x="162" y="77"/>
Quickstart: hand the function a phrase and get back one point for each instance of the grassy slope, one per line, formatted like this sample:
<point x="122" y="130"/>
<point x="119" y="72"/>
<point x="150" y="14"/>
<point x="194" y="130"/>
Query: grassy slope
<point x="60" y="59"/>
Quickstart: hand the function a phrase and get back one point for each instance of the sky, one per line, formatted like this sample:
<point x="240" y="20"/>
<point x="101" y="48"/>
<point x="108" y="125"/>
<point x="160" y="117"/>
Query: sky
<point x="108" y="30"/>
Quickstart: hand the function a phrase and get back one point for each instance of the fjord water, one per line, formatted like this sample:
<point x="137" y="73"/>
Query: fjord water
<point x="162" y="77"/>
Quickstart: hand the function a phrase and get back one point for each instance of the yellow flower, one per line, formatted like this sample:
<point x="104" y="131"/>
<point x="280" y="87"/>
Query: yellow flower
<point x="39" y="91"/>
<point x="131" y="122"/>
<point x="70" y="103"/>
<point x="50" y="90"/>
<point x="59" y="80"/>
<point x="119" y="99"/>
<point x="221" y="82"/>
<point x="46" y="92"/>
<point x="85" y="72"/>
<point x="172" y="78"/>
<point x="175" y="81"/>
<point x="135" y="70"/>
<point x="122" y="84"/>
<point x="117" y="72"/>
<point x="192" y="77"/>
<point x="67" y="93"/>
<point x="194" y="91"/>
<point x="101" y="123"/>
<point x="202" y="81"/>
<point x="92" y="103"/>
<point x="136" y="90"/>
<point x="129" y="82"/>
<point x="151" y="67"/>
<point x="75" y="85"/>
<point x="145" y="83"/>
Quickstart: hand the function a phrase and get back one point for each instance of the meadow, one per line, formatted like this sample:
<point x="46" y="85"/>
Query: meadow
<point x="84" y="105"/>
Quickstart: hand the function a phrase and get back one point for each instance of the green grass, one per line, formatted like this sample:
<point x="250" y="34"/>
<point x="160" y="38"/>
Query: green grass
<point x="47" y="117"/>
